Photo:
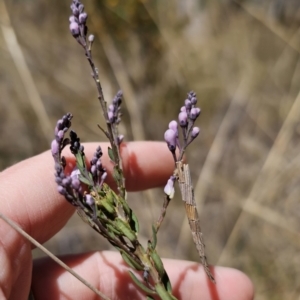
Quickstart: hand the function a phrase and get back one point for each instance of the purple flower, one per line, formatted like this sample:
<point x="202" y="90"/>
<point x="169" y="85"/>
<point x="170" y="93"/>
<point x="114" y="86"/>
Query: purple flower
<point x="75" y="173"/>
<point x="182" y="118"/>
<point x="187" y="104"/>
<point x="82" y="18"/>
<point x="111" y="117"/>
<point x="169" y="187"/>
<point x="76" y="183"/>
<point x="194" y="100"/>
<point x="74" y="28"/>
<point x="174" y="126"/>
<point x="195" y="132"/>
<point x="120" y="139"/>
<point x="170" y="138"/>
<point x="194" y="113"/>
<point x="73" y="19"/>
<point x="61" y="190"/>
<point x="54" y="148"/>
<point x="91" y="38"/>
<point x="89" y="200"/>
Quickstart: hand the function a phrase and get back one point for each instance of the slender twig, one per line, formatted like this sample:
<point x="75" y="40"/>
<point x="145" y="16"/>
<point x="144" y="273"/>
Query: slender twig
<point x="51" y="255"/>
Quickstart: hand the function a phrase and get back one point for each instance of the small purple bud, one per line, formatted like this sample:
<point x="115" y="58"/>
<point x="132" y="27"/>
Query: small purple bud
<point x="75" y="173"/>
<point x="91" y="38"/>
<point x="93" y="170"/>
<point x="194" y="100"/>
<point x="81" y="8"/>
<point x="195" y="132"/>
<point x="54" y="148"/>
<point x="120" y="139"/>
<point x="111" y="107"/>
<point x="111" y="116"/>
<point x="73" y="19"/>
<point x="82" y="18"/>
<point x="182" y="109"/>
<point x="75" y="11"/>
<point x="75" y="183"/>
<point x="99" y="164"/>
<point x="60" y="135"/>
<point x="182" y="117"/>
<point x="103" y="177"/>
<point x="58" y="180"/>
<point x="59" y="124"/>
<point x="66" y="181"/>
<point x="61" y="190"/>
<point x="94" y="160"/>
<point x="194" y="113"/>
<point x="187" y="104"/>
<point x="170" y="138"/>
<point x="169" y="188"/>
<point x="89" y="200"/>
<point x="173" y="125"/>
<point x="74" y="28"/>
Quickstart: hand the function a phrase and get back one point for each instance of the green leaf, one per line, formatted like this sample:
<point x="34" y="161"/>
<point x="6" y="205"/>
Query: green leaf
<point x="125" y="206"/>
<point x="111" y="154"/>
<point x="154" y="238"/>
<point x="135" y="222"/>
<point x="116" y="175"/>
<point x="130" y="261"/>
<point x="106" y="203"/>
<point x="124" y="228"/>
<point x="159" y="266"/>
<point x="149" y="298"/>
<point x="80" y="161"/>
<point x="140" y="284"/>
<point x="112" y="229"/>
<point x="163" y="294"/>
<point x="84" y="180"/>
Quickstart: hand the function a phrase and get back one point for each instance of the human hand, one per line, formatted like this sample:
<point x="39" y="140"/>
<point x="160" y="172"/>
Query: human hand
<point x="29" y="197"/>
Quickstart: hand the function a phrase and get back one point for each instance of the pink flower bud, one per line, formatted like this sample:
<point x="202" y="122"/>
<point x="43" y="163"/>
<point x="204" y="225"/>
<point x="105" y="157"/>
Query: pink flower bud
<point x="91" y="38"/>
<point x="174" y="126"/>
<point x="93" y="170"/>
<point x="111" y="116"/>
<point x="75" y="173"/>
<point x="72" y="19"/>
<point x="61" y="190"/>
<point x="74" y="28"/>
<point x="82" y="18"/>
<point x="194" y="100"/>
<point x="195" y="132"/>
<point x="170" y="138"/>
<point x="194" y="113"/>
<point x="111" y="107"/>
<point x="60" y="134"/>
<point x="54" y="148"/>
<point x="169" y="188"/>
<point x="75" y="183"/>
<point x="187" y="104"/>
<point x="89" y="200"/>
<point x="182" y="117"/>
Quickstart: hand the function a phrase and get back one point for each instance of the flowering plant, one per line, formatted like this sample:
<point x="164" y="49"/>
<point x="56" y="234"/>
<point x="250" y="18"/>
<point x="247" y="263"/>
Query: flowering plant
<point x="107" y="211"/>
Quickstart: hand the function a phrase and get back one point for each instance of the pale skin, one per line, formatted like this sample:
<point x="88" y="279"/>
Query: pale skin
<point x="29" y="197"/>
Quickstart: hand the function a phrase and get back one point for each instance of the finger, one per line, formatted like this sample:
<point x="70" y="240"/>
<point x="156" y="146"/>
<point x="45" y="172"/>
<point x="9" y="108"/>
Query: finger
<point x="107" y="272"/>
<point x="29" y="194"/>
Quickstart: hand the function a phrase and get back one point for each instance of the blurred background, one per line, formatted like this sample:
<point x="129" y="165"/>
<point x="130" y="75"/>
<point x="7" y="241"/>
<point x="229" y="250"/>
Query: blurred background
<point x="242" y="60"/>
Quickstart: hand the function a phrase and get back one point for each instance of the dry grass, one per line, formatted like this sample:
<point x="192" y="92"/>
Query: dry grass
<point x="243" y="62"/>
